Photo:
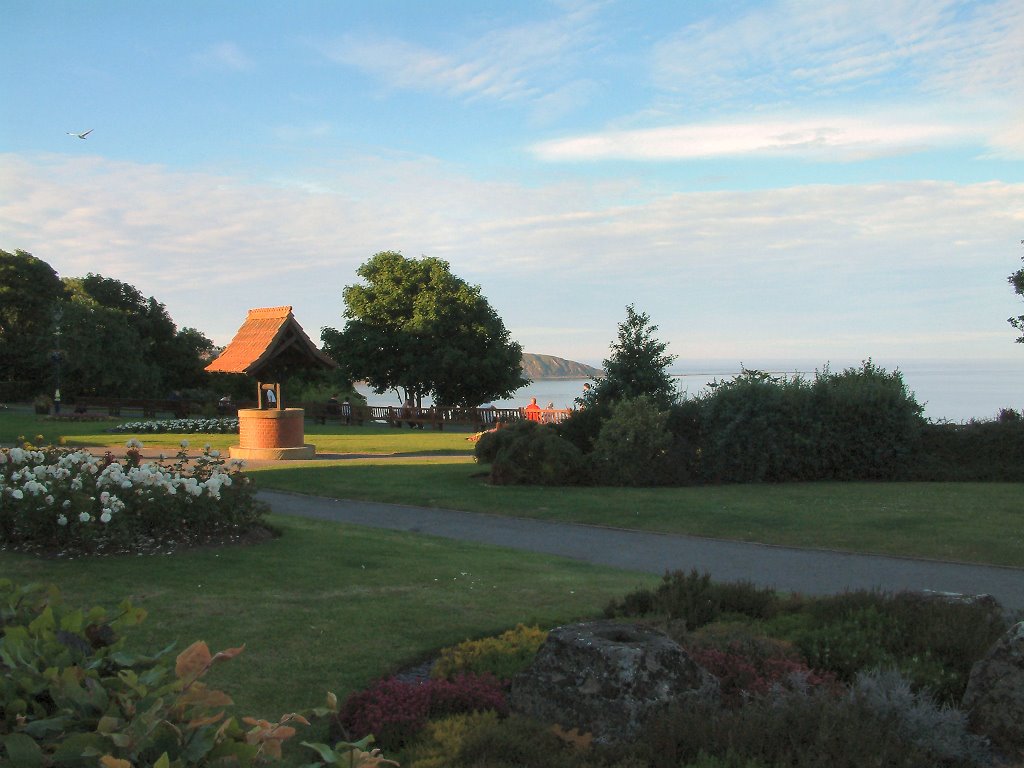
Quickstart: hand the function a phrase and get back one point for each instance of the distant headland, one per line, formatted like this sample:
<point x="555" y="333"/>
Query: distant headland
<point x="545" y="367"/>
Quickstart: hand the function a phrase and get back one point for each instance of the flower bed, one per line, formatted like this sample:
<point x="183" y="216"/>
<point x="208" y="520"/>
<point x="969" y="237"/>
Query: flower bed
<point x="178" y="426"/>
<point x="70" y="502"/>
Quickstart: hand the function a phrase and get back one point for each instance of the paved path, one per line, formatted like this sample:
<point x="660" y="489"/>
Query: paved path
<point x="800" y="570"/>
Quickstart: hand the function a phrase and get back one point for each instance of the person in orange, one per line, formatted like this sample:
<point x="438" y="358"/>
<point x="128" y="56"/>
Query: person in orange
<point x="533" y="410"/>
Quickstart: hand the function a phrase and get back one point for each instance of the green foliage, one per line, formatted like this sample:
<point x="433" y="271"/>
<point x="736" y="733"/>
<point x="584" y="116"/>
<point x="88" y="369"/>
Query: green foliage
<point x="633" y="445"/>
<point x="502" y="656"/>
<point x="638" y="365"/>
<point x="30" y="292"/>
<point x="415" y="327"/>
<point x="1017" y="281"/>
<point x="533" y="454"/>
<point x="808" y="729"/>
<point x="70" y="694"/>
<point x="858" y="424"/>
<point x="978" y="451"/>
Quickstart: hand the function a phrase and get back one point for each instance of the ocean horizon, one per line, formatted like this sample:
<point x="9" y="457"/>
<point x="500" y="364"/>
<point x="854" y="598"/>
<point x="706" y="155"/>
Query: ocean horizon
<point x="949" y="390"/>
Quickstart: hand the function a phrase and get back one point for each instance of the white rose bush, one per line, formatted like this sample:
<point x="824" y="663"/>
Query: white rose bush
<point x="55" y="499"/>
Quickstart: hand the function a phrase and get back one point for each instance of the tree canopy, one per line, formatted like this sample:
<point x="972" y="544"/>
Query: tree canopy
<point x="112" y="339"/>
<point x="638" y="365"/>
<point x="1017" y="281"/>
<point x="415" y="328"/>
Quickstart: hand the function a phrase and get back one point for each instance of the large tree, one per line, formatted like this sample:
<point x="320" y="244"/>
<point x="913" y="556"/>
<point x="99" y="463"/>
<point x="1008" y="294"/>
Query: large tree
<point x="30" y="292"/>
<point x="416" y="329"/>
<point x="1017" y="281"/>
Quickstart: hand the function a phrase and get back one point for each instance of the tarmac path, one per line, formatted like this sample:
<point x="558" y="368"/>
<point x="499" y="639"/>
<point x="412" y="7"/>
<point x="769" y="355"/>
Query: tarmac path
<point x="810" y="571"/>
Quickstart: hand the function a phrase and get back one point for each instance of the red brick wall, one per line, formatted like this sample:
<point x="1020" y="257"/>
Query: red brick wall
<point x="271" y="428"/>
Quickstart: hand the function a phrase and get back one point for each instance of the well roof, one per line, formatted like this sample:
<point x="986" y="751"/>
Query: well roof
<point x="268" y="335"/>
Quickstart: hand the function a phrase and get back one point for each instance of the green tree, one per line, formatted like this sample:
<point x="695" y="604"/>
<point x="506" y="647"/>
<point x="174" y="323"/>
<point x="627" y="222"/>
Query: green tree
<point x="30" y="292"/>
<point x="416" y="329"/>
<point x="638" y="365"/>
<point x="164" y="358"/>
<point x="1017" y="281"/>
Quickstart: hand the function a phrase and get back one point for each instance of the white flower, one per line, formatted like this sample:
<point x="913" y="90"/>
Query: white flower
<point x="215" y="454"/>
<point x="184" y="443"/>
<point x="66" y="504"/>
<point x="105" y="517"/>
<point x="61" y="520"/>
<point x="105" y="497"/>
<point x="84" y="517"/>
<point x="17" y="493"/>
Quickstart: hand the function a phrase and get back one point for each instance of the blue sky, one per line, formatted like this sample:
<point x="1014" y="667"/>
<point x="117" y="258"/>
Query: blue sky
<point x="767" y="180"/>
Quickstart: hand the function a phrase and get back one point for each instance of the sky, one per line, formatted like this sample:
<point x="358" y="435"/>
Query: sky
<point x="769" y="180"/>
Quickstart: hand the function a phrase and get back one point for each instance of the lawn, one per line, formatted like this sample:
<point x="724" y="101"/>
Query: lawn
<point x="328" y="607"/>
<point x="971" y="522"/>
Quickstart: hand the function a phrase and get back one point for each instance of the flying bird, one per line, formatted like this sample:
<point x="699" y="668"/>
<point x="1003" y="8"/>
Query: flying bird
<point x="80" y="135"/>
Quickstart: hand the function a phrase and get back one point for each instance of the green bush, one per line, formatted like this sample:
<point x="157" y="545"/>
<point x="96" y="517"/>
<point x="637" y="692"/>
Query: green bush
<point x="633" y="445"/>
<point x="502" y="656"/>
<point x="978" y="451"/>
<point x="534" y="454"/>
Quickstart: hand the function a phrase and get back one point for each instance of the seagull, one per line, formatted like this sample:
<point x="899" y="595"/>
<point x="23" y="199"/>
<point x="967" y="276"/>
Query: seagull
<point x="80" y="135"/>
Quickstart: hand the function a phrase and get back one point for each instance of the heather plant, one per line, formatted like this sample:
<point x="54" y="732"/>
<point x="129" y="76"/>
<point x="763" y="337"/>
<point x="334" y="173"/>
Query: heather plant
<point x="69" y="501"/>
<point x="441" y="739"/>
<point x="395" y="711"/>
<point x="799" y="727"/>
<point x="502" y="656"/>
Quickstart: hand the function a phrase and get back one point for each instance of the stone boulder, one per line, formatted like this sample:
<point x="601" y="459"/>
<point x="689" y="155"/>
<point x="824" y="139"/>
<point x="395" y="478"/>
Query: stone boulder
<point x="607" y="679"/>
<point x="994" y="699"/>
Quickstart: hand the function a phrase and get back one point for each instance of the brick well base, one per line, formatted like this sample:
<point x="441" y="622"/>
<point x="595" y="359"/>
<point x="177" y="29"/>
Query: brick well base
<point x="271" y="434"/>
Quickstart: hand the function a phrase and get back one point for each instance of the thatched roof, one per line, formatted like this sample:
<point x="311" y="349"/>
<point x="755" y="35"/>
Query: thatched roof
<point x="269" y="335"/>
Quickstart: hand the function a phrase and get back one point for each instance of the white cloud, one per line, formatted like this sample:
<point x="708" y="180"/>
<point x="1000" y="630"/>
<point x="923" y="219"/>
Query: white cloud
<point x="831" y="139"/>
<point x="518" y="63"/>
<point x="829" y="269"/>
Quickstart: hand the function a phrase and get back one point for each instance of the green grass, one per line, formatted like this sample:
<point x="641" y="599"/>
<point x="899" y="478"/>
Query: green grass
<point x="328" y="607"/>
<point x="971" y="522"/>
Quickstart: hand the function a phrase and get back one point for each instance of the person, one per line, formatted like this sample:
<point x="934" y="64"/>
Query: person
<point x="584" y="399"/>
<point x="533" y="410"/>
<point x="271" y="397"/>
<point x="224" y="405"/>
<point x="346" y="412"/>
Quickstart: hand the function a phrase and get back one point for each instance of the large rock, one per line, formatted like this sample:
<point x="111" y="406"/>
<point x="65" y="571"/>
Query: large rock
<point x="607" y="679"/>
<point x="994" y="699"/>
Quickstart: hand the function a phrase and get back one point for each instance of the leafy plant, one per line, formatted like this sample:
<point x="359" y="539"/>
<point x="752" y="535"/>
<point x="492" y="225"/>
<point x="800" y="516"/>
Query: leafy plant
<point x="70" y="694"/>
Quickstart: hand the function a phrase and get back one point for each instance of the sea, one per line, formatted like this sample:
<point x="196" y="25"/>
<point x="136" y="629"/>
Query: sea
<point x="953" y="391"/>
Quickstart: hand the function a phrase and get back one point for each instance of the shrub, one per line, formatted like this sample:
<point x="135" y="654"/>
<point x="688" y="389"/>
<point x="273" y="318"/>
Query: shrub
<point x="70" y="694"/>
<point x="534" y="454"/>
<point x="801" y="728"/>
<point x="979" y="451"/>
<point x="208" y="425"/>
<point x="680" y="596"/>
<point x="395" y="711"/>
<point x="73" y="502"/>
<point x="502" y="656"/>
<point x="742" y="674"/>
<point x="582" y="427"/>
<point x="633" y="445"/>
<point x="441" y="740"/>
